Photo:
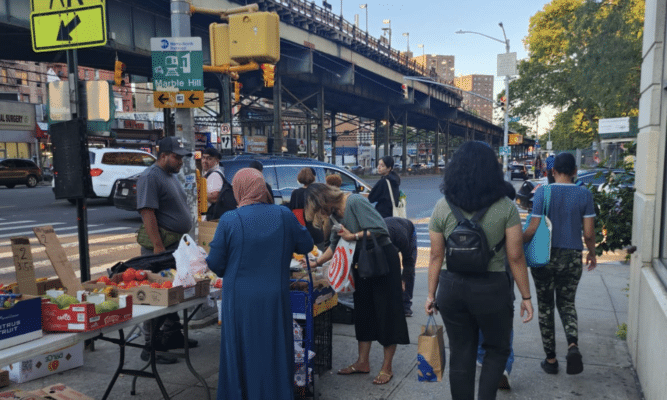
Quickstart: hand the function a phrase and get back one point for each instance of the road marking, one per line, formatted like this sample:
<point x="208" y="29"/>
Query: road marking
<point x="31" y="232"/>
<point x="15" y="222"/>
<point x="40" y="249"/>
<point x="75" y="257"/>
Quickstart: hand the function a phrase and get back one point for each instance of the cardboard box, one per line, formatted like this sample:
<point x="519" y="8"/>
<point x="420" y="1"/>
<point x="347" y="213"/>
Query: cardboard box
<point x="22" y="322"/>
<point x="61" y="392"/>
<point x="206" y="233"/>
<point x="145" y="294"/>
<point x="324" y="299"/>
<point x="46" y="364"/>
<point x="82" y="317"/>
<point x="4" y="378"/>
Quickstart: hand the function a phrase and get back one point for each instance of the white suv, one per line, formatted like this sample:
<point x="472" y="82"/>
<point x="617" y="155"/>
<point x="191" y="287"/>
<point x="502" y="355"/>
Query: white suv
<point x="107" y="165"/>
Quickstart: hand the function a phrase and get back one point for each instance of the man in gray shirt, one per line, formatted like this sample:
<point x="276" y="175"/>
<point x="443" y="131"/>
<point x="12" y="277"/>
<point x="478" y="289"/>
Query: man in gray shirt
<point x="163" y="206"/>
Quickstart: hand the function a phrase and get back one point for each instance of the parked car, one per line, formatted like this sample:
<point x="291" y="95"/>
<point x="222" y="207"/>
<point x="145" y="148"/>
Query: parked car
<point x="107" y="165"/>
<point x="597" y="177"/>
<point x="279" y="171"/>
<point x="415" y="168"/>
<point x="17" y="171"/>
<point x="355" y="169"/>
<point x="518" y="171"/>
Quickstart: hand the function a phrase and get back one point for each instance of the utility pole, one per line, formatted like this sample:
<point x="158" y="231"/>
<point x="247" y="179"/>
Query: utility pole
<point x="183" y="118"/>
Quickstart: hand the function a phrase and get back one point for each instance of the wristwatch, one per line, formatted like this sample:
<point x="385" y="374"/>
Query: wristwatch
<point x="356" y="236"/>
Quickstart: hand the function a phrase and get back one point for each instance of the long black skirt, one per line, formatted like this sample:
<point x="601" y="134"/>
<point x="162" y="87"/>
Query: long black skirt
<point x="378" y="305"/>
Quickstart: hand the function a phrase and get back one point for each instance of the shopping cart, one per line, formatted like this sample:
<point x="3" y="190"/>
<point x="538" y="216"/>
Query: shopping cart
<point x="302" y="312"/>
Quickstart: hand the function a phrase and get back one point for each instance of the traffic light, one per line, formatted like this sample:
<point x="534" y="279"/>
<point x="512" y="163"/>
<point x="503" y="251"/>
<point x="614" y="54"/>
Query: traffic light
<point x="118" y="72"/>
<point x="404" y="87"/>
<point x="268" y="74"/>
<point x="237" y="91"/>
<point x="503" y="103"/>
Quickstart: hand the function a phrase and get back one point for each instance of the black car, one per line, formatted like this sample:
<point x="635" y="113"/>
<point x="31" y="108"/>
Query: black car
<point x="279" y="171"/>
<point x="17" y="171"/>
<point x="595" y="177"/>
<point x="518" y="171"/>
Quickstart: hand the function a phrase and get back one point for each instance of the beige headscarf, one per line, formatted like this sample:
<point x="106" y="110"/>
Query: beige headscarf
<point x="249" y="187"/>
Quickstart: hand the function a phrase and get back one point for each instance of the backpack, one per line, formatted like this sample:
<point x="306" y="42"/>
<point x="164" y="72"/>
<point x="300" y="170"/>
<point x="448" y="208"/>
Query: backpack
<point x="467" y="250"/>
<point x="226" y="201"/>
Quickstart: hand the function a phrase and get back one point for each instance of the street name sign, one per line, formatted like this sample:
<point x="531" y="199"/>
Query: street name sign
<point x="67" y="24"/>
<point x="178" y="72"/>
<point x="182" y="99"/>
<point x="505" y="151"/>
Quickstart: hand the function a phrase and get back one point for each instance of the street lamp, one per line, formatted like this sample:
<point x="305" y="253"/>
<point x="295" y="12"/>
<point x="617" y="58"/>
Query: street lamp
<point x="407" y="35"/>
<point x="365" y="7"/>
<point x="388" y="29"/>
<point x="421" y="46"/>
<point x="507" y="93"/>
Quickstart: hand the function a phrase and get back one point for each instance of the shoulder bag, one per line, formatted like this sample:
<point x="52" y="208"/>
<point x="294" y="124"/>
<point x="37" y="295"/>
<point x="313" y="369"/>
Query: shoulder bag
<point x="372" y="262"/>
<point x="538" y="250"/>
<point x="398" y="210"/>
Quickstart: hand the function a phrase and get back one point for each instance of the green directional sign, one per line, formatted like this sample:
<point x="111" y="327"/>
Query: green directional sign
<point x="178" y="64"/>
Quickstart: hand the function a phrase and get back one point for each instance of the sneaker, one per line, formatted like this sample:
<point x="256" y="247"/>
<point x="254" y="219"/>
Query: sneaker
<point x="574" y="363"/>
<point x="504" y="381"/>
<point x="549" y="368"/>
<point x="159" y="358"/>
<point x="176" y="340"/>
<point x="479" y="363"/>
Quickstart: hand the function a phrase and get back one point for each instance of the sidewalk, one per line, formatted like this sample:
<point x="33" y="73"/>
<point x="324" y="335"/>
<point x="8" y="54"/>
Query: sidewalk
<point x="602" y="305"/>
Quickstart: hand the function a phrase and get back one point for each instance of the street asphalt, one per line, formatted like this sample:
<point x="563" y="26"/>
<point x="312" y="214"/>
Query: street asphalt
<point x="602" y="305"/>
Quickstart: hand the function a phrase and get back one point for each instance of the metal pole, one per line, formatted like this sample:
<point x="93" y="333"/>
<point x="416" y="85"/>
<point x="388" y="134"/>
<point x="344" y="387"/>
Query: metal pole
<point x="366" y="21"/>
<point x="183" y="118"/>
<point x="333" y="139"/>
<point x="277" y="114"/>
<point x="507" y="117"/>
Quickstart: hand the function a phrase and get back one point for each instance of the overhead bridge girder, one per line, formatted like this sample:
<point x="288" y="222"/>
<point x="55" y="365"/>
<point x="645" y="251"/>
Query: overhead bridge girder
<point x="296" y="62"/>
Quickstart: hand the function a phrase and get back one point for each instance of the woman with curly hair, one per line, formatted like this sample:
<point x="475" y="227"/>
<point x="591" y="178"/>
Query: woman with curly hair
<point x="470" y="303"/>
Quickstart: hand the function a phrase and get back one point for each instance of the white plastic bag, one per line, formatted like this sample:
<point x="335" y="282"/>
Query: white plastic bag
<point x="339" y="272"/>
<point x="190" y="260"/>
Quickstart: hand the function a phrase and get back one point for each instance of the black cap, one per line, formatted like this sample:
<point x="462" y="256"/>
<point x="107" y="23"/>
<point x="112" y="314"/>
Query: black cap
<point x="210" y="151"/>
<point x="172" y="144"/>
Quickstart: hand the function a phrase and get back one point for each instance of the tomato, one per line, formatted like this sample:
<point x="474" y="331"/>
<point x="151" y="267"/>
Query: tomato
<point x="104" y="279"/>
<point x="156" y="285"/>
<point x="167" y="285"/>
<point x="129" y="275"/>
<point x="140" y="275"/>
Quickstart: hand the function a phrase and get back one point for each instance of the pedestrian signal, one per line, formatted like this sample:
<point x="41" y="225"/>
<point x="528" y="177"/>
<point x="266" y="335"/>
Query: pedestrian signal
<point x="503" y="103"/>
<point x="237" y="91"/>
<point x="404" y="88"/>
<point x="118" y="72"/>
<point x="268" y="74"/>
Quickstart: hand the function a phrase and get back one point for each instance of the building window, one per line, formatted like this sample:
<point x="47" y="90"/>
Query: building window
<point x="24" y="78"/>
<point x="25" y="98"/>
<point x="39" y="99"/>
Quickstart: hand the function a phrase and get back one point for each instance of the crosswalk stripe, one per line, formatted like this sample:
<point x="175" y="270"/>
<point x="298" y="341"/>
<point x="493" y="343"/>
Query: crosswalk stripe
<point x="75" y="257"/>
<point x="14" y="222"/>
<point x="39" y="248"/>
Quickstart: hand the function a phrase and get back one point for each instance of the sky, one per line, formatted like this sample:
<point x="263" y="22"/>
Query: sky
<point x="433" y="23"/>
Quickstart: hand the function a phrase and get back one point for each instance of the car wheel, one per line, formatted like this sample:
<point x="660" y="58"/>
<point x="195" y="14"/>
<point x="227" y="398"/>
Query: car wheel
<point x="31" y="182"/>
<point x="10" y="186"/>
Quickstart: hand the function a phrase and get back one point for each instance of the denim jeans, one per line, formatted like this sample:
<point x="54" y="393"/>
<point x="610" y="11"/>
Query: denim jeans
<point x="468" y="304"/>
<point x="481" y="352"/>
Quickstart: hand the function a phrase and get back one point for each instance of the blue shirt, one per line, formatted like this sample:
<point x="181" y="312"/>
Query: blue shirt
<point x="570" y="204"/>
<point x="550" y="163"/>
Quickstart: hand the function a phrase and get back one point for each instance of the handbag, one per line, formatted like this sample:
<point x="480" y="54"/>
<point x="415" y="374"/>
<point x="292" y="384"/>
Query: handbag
<point x="400" y="209"/>
<point x="339" y="273"/>
<point x="431" y="352"/>
<point x="372" y="262"/>
<point x="538" y="250"/>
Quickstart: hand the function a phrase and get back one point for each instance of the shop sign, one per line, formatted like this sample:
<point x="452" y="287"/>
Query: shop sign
<point x="15" y="120"/>
<point x="256" y="144"/>
<point x="130" y="124"/>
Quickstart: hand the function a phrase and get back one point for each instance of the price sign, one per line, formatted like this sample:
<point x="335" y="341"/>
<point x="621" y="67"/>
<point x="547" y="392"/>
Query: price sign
<point x="25" y="269"/>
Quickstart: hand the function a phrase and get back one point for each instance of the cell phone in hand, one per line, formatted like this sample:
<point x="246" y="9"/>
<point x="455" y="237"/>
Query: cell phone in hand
<point x="335" y="225"/>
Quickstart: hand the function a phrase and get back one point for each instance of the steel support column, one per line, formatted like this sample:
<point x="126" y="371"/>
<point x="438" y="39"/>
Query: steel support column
<point x="387" y="131"/>
<point x="377" y="142"/>
<point x="333" y="138"/>
<point x="436" y="151"/>
<point x="309" y="139"/>
<point x="447" y="144"/>
<point x="320" y="124"/>
<point x="404" y="153"/>
<point x="277" y="113"/>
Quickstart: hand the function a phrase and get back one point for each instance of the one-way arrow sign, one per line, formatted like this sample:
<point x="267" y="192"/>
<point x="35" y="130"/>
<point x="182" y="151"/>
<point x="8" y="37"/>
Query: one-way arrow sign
<point x="65" y="30"/>
<point x="182" y="99"/>
<point x="162" y="98"/>
<point x="192" y="98"/>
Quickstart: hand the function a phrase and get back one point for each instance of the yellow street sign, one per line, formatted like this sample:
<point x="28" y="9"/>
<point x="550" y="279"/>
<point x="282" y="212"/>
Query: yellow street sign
<point x="182" y="99"/>
<point x="67" y="24"/>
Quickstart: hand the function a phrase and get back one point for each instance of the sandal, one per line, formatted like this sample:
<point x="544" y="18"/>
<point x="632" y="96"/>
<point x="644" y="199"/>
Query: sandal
<point x="349" y="370"/>
<point x="379" y="380"/>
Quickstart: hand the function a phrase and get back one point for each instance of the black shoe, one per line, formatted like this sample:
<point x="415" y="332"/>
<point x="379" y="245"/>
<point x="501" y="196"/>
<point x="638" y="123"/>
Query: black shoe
<point x="408" y="313"/>
<point x="505" y="381"/>
<point x="574" y="362"/>
<point x="549" y="368"/>
<point x="159" y="358"/>
<point x="176" y="340"/>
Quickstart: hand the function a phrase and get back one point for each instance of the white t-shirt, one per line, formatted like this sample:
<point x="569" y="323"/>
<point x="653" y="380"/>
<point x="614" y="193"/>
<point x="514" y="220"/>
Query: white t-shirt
<point x="213" y="181"/>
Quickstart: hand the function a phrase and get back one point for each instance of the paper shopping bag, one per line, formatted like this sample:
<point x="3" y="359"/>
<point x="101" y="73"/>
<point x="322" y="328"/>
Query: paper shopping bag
<point x="431" y="352"/>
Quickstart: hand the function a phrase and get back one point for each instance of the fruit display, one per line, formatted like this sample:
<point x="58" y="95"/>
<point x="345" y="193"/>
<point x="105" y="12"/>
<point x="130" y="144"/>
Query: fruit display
<point x="315" y="252"/>
<point x="9" y="299"/>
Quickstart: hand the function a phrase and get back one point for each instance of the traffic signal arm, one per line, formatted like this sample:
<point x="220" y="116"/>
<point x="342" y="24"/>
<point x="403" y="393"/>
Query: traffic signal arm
<point x="225" y="69"/>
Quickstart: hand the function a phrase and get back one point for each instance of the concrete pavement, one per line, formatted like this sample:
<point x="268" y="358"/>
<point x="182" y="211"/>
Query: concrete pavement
<point x="602" y="305"/>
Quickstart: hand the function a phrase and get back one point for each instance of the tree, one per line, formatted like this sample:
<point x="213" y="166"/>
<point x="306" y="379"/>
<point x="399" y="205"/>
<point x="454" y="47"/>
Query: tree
<point x="585" y="59"/>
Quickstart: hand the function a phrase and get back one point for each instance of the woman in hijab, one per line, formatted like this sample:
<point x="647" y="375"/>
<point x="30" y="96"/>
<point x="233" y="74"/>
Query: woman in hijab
<point x="251" y="251"/>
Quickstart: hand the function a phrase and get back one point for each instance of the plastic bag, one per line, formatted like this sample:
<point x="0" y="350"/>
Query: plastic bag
<point x="190" y="260"/>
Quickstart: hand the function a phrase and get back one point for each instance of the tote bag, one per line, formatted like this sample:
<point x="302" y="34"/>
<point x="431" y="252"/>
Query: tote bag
<point x="372" y="261"/>
<point x="398" y="210"/>
<point x="538" y="250"/>
<point x="339" y="273"/>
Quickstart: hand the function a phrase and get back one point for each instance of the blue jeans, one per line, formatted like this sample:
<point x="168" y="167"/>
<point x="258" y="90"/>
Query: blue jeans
<point x="481" y="352"/>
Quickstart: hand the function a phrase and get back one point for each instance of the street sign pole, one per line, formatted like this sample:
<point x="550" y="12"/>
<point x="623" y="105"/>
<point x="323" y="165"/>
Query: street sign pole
<point x="183" y="118"/>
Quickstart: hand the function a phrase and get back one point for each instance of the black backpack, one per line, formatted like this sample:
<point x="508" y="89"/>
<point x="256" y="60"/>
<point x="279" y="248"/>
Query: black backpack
<point x="226" y="201"/>
<point x="467" y="250"/>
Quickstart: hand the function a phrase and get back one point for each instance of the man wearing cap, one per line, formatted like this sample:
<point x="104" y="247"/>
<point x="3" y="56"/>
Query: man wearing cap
<point x="210" y="162"/>
<point x="162" y="203"/>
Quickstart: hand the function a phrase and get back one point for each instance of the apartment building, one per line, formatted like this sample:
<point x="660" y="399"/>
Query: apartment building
<point x="482" y="86"/>
<point x="442" y="65"/>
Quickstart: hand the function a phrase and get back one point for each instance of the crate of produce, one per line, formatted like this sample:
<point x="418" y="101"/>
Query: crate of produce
<point x="65" y="314"/>
<point x="322" y="341"/>
<point x="323" y="299"/>
<point x="22" y="322"/>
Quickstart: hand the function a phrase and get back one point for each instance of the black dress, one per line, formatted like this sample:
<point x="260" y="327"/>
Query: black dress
<point x="381" y="196"/>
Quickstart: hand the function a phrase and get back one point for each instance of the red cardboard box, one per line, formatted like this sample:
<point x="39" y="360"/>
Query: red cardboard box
<point x="82" y="317"/>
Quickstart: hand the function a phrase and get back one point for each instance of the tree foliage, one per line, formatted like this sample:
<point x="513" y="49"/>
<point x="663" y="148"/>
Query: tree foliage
<point x="584" y="59"/>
